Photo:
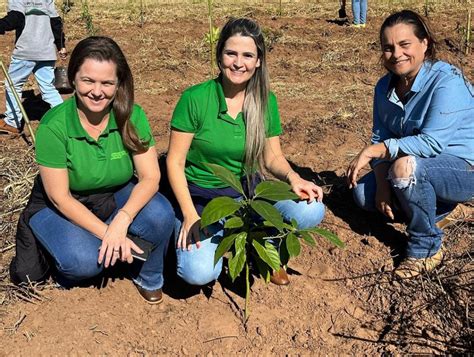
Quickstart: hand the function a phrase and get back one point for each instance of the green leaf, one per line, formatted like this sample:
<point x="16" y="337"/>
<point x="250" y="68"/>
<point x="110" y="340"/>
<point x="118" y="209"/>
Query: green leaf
<point x="217" y="209"/>
<point x="293" y="245"/>
<point x="263" y="268"/>
<point x="227" y="177"/>
<point x="237" y="262"/>
<point x="234" y="222"/>
<point x="331" y="237"/>
<point x="225" y="245"/>
<point x="284" y="255"/>
<point x="268" y="212"/>
<point x="307" y="238"/>
<point x="275" y="191"/>
<point x="267" y="253"/>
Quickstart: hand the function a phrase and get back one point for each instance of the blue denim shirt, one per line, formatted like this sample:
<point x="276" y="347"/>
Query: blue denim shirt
<point x="438" y="116"/>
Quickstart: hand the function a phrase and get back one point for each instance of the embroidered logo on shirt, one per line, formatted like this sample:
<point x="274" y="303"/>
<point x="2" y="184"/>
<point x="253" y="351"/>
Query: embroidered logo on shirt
<point x="118" y="155"/>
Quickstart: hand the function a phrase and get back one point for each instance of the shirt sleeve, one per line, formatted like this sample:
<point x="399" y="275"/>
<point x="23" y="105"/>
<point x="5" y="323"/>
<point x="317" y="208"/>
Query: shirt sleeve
<point x="184" y="114"/>
<point x="13" y="20"/>
<point x="50" y="148"/>
<point x="273" y="120"/>
<point x="379" y="131"/>
<point x="142" y="125"/>
<point x="443" y="118"/>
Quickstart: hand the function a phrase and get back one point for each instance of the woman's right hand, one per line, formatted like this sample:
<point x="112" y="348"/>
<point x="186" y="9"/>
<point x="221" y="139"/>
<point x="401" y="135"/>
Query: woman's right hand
<point x="189" y="233"/>
<point x="383" y="200"/>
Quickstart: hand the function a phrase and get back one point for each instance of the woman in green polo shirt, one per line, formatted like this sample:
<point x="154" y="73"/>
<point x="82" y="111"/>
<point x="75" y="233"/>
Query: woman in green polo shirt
<point x="87" y="150"/>
<point x="232" y="121"/>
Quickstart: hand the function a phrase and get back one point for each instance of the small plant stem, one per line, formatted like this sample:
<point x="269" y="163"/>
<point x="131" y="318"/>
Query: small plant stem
<point x="247" y="291"/>
<point x="211" y="39"/>
<point x="468" y="30"/>
<point x="141" y="14"/>
<point x="426" y="8"/>
<point x="280" y="8"/>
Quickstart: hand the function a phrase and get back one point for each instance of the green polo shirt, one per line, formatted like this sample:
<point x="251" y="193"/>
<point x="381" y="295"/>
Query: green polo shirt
<point x="218" y="138"/>
<point x="93" y="166"/>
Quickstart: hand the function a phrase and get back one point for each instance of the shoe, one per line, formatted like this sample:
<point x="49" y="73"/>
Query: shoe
<point x="280" y="277"/>
<point x="362" y="26"/>
<point x="461" y="213"/>
<point x="8" y="129"/>
<point x="412" y="267"/>
<point x="151" y="296"/>
<point x="355" y="26"/>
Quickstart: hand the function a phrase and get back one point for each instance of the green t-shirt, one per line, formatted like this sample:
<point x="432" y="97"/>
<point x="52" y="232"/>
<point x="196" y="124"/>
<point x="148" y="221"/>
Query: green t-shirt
<point x="218" y="138"/>
<point x="93" y="166"/>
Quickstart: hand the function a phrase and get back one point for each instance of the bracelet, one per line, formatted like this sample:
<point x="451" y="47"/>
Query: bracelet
<point x="127" y="214"/>
<point x="287" y="176"/>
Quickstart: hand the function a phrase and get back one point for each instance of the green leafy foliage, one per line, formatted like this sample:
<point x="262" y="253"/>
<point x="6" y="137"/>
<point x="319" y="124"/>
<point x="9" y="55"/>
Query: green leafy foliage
<point x="227" y="177"/>
<point x="254" y="231"/>
<point x="217" y="209"/>
<point x="274" y="191"/>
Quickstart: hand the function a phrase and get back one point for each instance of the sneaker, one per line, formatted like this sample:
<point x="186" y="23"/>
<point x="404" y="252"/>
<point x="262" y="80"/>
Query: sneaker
<point x="356" y="26"/>
<point x="412" y="267"/>
<point x="461" y="213"/>
<point x="362" y="26"/>
<point x="8" y="129"/>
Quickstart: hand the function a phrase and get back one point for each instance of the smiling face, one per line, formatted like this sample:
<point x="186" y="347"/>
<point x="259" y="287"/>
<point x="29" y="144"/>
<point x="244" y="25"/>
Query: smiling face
<point x="239" y="60"/>
<point x="96" y="83"/>
<point x="403" y="52"/>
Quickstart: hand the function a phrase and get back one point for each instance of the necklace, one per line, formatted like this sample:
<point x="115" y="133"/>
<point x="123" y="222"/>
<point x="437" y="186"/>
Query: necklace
<point x="98" y="128"/>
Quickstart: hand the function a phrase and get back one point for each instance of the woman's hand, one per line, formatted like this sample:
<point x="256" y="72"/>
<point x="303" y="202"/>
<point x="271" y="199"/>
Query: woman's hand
<point x="189" y="233"/>
<point x="383" y="199"/>
<point x="115" y="244"/>
<point x="306" y="190"/>
<point x="375" y="151"/>
<point x="360" y="161"/>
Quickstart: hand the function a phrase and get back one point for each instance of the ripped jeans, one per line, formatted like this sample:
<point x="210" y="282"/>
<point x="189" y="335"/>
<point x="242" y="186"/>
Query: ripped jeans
<point x="434" y="188"/>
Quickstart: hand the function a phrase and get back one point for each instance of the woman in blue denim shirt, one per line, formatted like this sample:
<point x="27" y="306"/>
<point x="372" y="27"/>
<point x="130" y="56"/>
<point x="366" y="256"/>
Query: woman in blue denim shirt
<point x="422" y="150"/>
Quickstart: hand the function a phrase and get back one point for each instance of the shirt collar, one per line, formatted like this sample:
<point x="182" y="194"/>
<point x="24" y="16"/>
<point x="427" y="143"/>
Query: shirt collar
<point x="75" y="129"/>
<point x="420" y="79"/>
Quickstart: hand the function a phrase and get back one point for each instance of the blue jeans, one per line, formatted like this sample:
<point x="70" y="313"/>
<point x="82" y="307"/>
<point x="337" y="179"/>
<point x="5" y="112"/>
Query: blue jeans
<point x="433" y="190"/>
<point x="19" y="72"/>
<point x="359" y="11"/>
<point x="196" y="266"/>
<point x="76" y="251"/>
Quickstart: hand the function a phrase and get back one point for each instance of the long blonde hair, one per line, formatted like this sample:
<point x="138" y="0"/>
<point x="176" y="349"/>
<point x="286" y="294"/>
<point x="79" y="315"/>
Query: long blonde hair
<point x="256" y="94"/>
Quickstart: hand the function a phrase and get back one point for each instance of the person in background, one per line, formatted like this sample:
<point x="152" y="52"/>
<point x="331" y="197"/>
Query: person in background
<point x="359" y="13"/>
<point x="232" y="121"/>
<point x="87" y="202"/>
<point x="39" y="33"/>
<point x="422" y="151"/>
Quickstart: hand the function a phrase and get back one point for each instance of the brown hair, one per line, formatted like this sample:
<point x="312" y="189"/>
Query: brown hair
<point x="256" y="94"/>
<point x="420" y="26"/>
<point x="102" y="48"/>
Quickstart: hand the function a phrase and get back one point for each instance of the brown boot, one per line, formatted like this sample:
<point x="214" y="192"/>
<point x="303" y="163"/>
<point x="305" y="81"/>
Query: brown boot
<point x="151" y="296"/>
<point x="8" y="129"/>
<point x="280" y="277"/>
<point x="412" y="267"/>
<point x="461" y="213"/>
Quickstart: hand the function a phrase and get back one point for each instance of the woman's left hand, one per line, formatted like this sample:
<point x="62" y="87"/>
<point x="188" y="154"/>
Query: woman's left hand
<point x="306" y="190"/>
<point x="115" y="244"/>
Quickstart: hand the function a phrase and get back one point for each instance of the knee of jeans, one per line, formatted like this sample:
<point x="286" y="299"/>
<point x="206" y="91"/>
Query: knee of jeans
<point x="402" y="173"/>
<point x="79" y="266"/>
<point x="158" y="214"/>
<point x="309" y="215"/>
<point x="200" y="272"/>
<point x="358" y="195"/>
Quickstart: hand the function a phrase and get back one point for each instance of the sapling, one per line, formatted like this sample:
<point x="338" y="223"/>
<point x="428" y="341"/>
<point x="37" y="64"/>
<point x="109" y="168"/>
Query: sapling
<point x="212" y="36"/>
<point x="254" y="230"/>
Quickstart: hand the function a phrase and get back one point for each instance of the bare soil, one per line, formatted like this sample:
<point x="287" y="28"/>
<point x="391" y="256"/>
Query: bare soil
<point x="339" y="301"/>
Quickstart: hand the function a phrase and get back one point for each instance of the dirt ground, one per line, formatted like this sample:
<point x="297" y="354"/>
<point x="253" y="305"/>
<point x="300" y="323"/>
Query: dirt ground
<point x="339" y="301"/>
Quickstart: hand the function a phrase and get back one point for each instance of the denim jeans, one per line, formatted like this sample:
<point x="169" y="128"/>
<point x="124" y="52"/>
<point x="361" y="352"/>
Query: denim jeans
<point x="196" y="266"/>
<point x="19" y="72"/>
<point x="359" y="11"/>
<point x="76" y="251"/>
<point x="434" y="189"/>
